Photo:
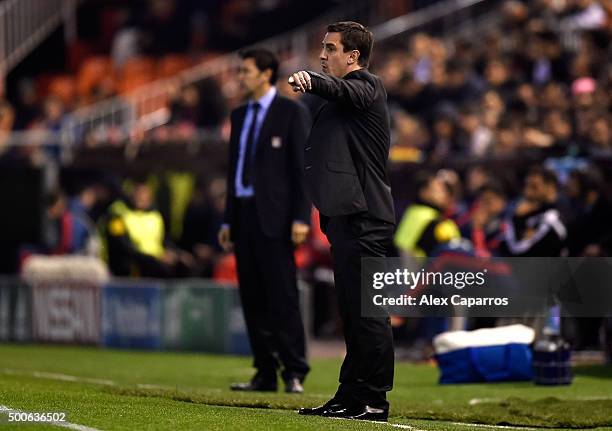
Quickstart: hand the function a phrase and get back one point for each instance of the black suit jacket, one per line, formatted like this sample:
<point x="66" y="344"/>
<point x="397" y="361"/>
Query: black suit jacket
<point x="348" y="147"/>
<point x="278" y="180"/>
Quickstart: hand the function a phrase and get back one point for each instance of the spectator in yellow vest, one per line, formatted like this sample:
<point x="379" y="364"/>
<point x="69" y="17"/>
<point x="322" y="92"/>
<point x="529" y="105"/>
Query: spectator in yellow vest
<point x="423" y="226"/>
<point x="136" y="239"/>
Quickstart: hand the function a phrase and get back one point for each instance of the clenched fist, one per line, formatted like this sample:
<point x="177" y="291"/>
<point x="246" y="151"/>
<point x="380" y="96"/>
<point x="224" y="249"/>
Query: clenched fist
<point x="300" y="81"/>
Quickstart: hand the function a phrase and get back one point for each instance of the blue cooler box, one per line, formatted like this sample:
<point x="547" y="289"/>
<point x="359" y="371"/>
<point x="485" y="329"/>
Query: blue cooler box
<point x="485" y="355"/>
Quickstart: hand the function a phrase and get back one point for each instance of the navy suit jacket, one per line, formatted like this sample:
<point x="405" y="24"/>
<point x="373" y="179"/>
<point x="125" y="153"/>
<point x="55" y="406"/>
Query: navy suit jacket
<point x="278" y="179"/>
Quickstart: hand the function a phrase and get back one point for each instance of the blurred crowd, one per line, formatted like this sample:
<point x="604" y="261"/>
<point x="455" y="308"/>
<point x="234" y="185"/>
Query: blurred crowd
<point x="540" y="80"/>
<point x="142" y="226"/>
<point x="157" y="225"/>
<point x="122" y="45"/>
<point x="484" y="213"/>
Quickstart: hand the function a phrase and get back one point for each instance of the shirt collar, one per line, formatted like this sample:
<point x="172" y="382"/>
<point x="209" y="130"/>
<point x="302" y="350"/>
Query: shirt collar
<point x="355" y="72"/>
<point x="266" y="100"/>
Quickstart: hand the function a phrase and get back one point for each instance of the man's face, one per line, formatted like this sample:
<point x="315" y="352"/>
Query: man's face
<point x="190" y="96"/>
<point x="333" y="58"/>
<point x="492" y="203"/>
<point x="56" y="210"/>
<point x="457" y="78"/>
<point x="496" y="72"/>
<point x="536" y="190"/>
<point x="436" y="194"/>
<point x="600" y="132"/>
<point x="143" y="197"/>
<point x="250" y="78"/>
<point x="470" y="122"/>
<point x="443" y="128"/>
<point x="507" y="139"/>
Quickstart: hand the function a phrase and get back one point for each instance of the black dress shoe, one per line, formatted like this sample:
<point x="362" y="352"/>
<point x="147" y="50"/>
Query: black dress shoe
<point x="255" y="385"/>
<point x="365" y="413"/>
<point x="332" y="405"/>
<point x="372" y="414"/>
<point x="294" y="386"/>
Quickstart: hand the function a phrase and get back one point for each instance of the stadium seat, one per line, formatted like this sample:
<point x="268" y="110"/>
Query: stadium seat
<point x="171" y="65"/>
<point x="138" y="66"/>
<point x="91" y="73"/>
<point x="135" y="72"/>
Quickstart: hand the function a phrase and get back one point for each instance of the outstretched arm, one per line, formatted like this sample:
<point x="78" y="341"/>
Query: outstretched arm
<point x="354" y="92"/>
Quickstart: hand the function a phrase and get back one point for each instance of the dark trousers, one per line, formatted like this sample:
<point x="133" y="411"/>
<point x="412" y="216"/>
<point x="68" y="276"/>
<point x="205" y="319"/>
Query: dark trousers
<point x="269" y="295"/>
<point x="367" y="371"/>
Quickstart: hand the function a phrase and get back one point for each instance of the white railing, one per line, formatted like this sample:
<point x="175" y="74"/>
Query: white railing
<point x="147" y="106"/>
<point x="26" y="23"/>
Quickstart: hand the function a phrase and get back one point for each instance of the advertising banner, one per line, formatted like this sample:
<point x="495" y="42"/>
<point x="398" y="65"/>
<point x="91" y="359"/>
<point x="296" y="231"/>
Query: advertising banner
<point x="204" y="316"/>
<point x="15" y="310"/>
<point x="132" y="314"/>
<point x="67" y="312"/>
<point x="65" y="297"/>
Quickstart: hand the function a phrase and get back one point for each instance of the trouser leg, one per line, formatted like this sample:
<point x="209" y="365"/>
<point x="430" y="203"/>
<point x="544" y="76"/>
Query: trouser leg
<point x="252" y="291"/>
<point x="367" y="371"/>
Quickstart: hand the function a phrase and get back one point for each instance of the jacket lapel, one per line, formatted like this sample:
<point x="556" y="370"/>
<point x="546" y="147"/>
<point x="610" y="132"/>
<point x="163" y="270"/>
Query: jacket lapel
<point x="240" y="116"/>
<point x="319" y="109"/>
<point x="264" y="133"/>
<point x="235" y="134"/>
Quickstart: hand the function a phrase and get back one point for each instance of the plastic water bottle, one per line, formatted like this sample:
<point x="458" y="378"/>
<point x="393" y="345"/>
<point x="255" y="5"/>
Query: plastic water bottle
<point x="552" y="354"/>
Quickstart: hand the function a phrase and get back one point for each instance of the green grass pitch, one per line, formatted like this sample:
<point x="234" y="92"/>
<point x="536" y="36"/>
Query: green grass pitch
<point x="132" y="390"/>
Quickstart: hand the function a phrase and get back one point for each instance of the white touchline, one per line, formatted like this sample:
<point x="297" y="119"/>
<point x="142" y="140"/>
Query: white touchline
<point x="465" y="424"/>
<point x="475" y="401"/>
<point x="493" y="426"/>
<point x="67" y="378"/>
<point x="402" y="426"/>
<point x="69" y="425"/>
<point x="105" y="382"/>
<point x="406" y="427"/>
<point x="75" y="379"/>
<point x="409" y="427"/>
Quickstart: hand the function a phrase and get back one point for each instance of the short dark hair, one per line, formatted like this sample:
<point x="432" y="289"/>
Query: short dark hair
<point x="54" y="197"/>
<point x="422" y="180"/>
<point x="455" y="65"/>
<point x="495" y="187"/>
<point x="548" y="176"/>
<point x="264" y="59"/>
<point x="354" y="36"/>
<point x="139" y="180"/>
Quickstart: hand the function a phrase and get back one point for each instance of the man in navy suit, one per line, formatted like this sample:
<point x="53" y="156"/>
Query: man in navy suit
<point x="267" y="214"/>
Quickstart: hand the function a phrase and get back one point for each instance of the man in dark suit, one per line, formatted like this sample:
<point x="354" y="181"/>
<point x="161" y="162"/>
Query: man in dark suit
<point x="345" y="166"/>
<point x="266" y="215"/>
